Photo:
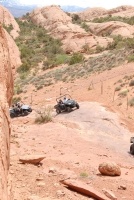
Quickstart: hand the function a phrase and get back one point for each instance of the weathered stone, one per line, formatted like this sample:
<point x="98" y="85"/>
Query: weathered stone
<point x="83" y="188"/>
<point x="60" y="193"/>
<point x="8" y="50"/>
<point x="32" y="159"/>
<point x="122" y="187"/>
<point x="110" y="169"/>
<point x="109" y="194"/>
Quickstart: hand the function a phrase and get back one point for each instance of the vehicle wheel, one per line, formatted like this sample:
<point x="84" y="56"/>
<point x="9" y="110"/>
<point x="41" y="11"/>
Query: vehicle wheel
<point x="58" y="111"/>
<point x="77" y="106"/>
<point x="69" y="109"/>
<point x="132" y="149"/>
<point x="25" y="113"/>
<point x="12" y="115"/>
<point x="30" y="110"/>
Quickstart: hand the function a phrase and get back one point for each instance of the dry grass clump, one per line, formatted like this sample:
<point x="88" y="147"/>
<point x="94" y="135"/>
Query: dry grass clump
<point x="44" y="115"/>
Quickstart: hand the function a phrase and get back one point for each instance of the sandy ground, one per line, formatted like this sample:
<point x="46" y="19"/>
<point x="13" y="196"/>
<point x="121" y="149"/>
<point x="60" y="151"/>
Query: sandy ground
<point x="74" y="145"/>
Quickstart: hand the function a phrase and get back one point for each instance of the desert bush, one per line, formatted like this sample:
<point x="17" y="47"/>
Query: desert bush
<point x="99" y="49"/>
<point x="131" y="82"/>
<point x="130" y="58"/>
<point x="85" y="26"/>
<point x="131" y="102"/>
<point x="8" y="28"/>
<point x="83" y="175"/>
<point x="118" y="88"/>
<point x="76" y="58"/>
<point x="18" y="89"/>
<point x="25" y="67"/>
<point x="39" y="87"/>
<point x="16" y="99"/>
<point x="76" y="19"/>
<point x="123" y="93"/>
<point x="114" y="18"/>
<point x="44" y="116"/>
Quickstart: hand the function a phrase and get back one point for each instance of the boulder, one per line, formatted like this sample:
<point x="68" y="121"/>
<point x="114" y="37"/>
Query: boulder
<point x="110" y="169"/>
<point x="31" y="159"/>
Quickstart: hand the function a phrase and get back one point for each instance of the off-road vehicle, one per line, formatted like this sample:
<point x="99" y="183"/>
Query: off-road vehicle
<point x="132" y="145"/>
<point x="65" y="104"/>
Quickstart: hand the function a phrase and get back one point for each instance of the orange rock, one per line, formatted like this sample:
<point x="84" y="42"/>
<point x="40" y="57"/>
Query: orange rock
<point x="32" y="159"/>
<point x="110" y="169"/>
<point x="82" y="188"/>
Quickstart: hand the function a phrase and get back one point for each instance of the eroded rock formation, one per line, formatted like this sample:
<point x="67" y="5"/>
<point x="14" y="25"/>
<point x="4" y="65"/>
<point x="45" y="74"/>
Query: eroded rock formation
<point x="8" y="51"/>
<point x="7" y="19"/>
<point x="59" y="25"/>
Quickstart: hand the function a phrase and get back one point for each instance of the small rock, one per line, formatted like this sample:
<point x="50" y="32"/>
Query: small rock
<point x="122" y="187"/>
<point x="39" y="179"/>
<point x="52" y="170"/>
<point x="41" y="184"/>
<point x="109" y="194"/>
<point x="60" y="193"/>
<point x="109" y="168"/>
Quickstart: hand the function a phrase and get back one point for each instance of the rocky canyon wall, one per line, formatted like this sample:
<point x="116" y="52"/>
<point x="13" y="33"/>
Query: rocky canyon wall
<point x="8" y="50"/>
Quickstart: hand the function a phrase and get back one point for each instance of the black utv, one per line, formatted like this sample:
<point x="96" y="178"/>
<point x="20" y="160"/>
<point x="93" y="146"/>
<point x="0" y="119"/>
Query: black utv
<point x="132" y="145"/>
<point x="65" y="104"/>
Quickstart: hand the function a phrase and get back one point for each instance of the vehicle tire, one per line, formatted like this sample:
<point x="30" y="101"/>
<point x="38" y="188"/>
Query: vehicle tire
<point x="30" y="110"/>
<point x="12" y="115"/>
<point x="25" y="113"/>
<point x="77" y="106"/>
<point x="132" y="149"/>
<point x="69" y="109"/>
<point x="58" y="111"/>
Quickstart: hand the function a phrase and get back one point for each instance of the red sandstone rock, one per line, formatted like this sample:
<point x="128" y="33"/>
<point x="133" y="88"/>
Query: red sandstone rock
<point x="110" y="169"/>
<point x="82" y="188"/>
<point x="31" y="159"/>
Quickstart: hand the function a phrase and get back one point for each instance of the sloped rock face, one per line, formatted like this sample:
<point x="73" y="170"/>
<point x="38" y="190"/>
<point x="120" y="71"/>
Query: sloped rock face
<point x="6" y="89"/>
<point x="91" y="13"/>
<point x="7" y="19"/>
<point x="111" y="28"/>
<point x="60" y="26"/>
<point x="122" y="11"/>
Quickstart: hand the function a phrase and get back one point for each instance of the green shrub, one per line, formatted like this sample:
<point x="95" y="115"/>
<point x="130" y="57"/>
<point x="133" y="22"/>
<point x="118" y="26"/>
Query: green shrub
<point x="131" y="83"/>
<point x="123" y="93"/>
<point x="99" y="49"/>
<point x="16" y="99"/>
<point x="85" y="26"/>
<point x="83" y="175"/>
<point x="8" y="28"/>
<point x="76" y="58"/>
<point x="130" y="58"/>
<point x="18" y="89"/>
<point x="44" y="116"/>
<point x="76" y="19"/>
<point x="131" y="102"/>
<point x="118" y="88"/>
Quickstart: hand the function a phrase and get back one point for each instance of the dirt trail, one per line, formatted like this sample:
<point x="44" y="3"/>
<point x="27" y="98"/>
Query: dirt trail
<point x="76" y="143"/>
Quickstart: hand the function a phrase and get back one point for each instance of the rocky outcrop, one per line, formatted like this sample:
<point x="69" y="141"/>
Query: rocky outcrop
<point x="7" y="20"/>
<point x="110" y="169"/>
<point x="111" y="28"/>
<point x="6" y="89"/>
<point x="91" y="13"/>
<point x="60" y="26"/>
<point x="122" y="11"/>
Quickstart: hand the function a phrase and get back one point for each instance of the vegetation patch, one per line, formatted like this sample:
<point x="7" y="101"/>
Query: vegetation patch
<point x="131" y="102"/>
<point x="44" y="116"/>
